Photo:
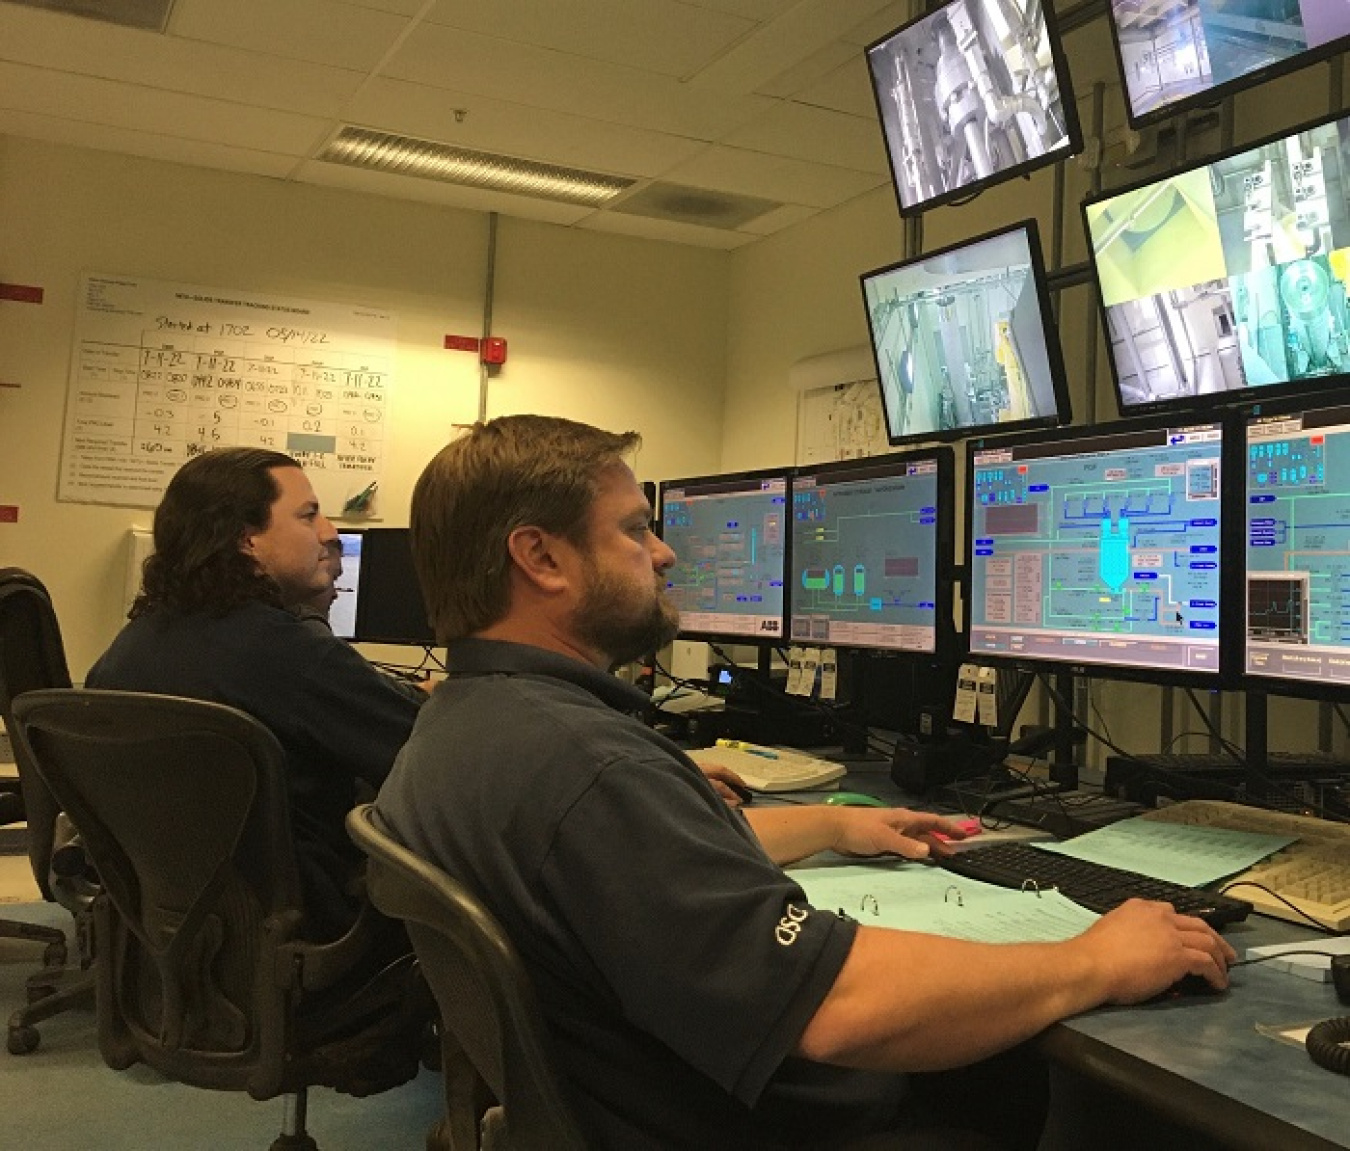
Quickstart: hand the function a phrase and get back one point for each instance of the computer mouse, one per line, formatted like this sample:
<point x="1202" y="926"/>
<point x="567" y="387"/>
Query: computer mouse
<point x="854" y="799"/>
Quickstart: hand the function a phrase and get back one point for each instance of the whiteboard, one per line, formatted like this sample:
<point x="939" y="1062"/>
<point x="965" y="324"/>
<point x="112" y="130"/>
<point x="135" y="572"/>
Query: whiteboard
<point x="162" y="372"/>
<point x="840" y="422"/>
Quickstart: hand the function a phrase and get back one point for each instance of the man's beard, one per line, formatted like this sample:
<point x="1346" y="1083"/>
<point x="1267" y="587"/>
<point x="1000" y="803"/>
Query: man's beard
<point x="609" y="620"/>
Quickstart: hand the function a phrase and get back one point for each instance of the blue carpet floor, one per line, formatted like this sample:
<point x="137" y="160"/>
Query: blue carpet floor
<point x="62" y="1098"/>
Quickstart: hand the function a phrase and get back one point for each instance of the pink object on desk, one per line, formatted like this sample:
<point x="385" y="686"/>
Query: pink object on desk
<point x="969" y="826"/>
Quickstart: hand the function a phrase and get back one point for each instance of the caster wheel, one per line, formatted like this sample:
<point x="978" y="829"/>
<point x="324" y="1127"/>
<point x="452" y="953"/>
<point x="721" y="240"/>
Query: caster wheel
<point x="40" y="992"/>
<point x="23" y="1040"/>
<point x="54" y="955"/>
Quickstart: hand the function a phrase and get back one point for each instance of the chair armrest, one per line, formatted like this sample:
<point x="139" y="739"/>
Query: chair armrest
<point x="299" y="965"/>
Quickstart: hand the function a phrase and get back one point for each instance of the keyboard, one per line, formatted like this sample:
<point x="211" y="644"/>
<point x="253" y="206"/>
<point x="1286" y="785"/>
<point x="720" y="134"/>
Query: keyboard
<point x="787" y="771"/>
<point x="1313" y="874"/>
<point x="1297" y="764"/>
<point x="1092" y="885"/>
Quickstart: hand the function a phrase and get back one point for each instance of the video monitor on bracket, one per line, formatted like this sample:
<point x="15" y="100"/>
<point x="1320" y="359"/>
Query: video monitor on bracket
<point x="342" y="611"/>
<point x="1298" y="551"/>
<point x="872" y="553"/>
<point x="1107" y="550"/>
<point x="964" y="339"/>
<point x="730" y="536"/>
<point x="1226" y="281"/>
<point x="970" y="94"/>
<point x="389" y="606"/>
<point x="1178" y="54"/>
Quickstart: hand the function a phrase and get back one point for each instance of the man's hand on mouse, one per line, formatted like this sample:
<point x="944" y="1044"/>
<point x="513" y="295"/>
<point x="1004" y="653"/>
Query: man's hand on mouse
<point x="726" y="782"/>
<point x="893" y="831"/>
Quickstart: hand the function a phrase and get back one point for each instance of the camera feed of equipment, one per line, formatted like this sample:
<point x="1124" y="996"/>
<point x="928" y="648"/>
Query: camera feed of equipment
<point x="1181" y="53"/>
<point x="963" y="341"/>
<point x="973" y="92"/>
<point x="1229" y="277"/>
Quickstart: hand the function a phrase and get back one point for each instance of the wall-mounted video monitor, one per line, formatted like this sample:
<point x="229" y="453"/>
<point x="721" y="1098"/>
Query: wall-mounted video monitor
<point x="1298" y="551"/>
<point x="1178" y="54"/>
<point x="964" y="339"/>
<point x="342" y="611"/>
<point x="1106" y="549"/>
<point x="1226" y="281"/>
<point x="389" y="605"/>
<point x="970" y="94"/>
<point x="730" y="534"/>
<point x="872" y="552"/>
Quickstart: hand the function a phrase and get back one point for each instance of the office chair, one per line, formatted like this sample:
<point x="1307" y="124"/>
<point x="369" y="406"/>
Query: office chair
<point x="32" y="656"/>
<point x="488" y="1008"/>
<point x="203" y="970"/>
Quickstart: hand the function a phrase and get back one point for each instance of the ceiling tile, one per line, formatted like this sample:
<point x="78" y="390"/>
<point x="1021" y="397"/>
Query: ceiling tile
<point x="114" y="104"/>
<point x="484" y="66"/>
<point x="779" y="219"/>
<point x="49" y="41"/>
<point x="847" y="89"/>
<point x="667" y="37"/>
<point x="817" y="135"/>
<point x="881" y="23"/>
<point x="103" y="138"/>
<point x="517" y="130"/>
<point x="750" y="9"/>
<point x="617" y="224"/>
<point x="811" y="70"/>
<point x="437" y="192"/>
<point x="321" y="31"/>
<point x="773" y="177"/>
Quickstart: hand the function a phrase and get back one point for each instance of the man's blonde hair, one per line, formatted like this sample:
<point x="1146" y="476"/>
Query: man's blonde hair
<point x="511" y="472"/>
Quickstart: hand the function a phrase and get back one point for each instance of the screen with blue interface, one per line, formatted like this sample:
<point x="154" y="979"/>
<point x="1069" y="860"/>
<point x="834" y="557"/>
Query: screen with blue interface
<point x="342" y="611"/>
<point x="1298" y="547"/>
<point x="868" y="537"/>
<point x="729" y="535"/>
<point x="1103" y="549"/>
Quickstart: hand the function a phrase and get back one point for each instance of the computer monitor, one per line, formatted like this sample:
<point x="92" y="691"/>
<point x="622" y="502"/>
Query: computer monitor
<point x="389" y="606"/>
<point x="964" y="339"/>
<point x="342" y="611"/>
<point x="730" y="536"/>
<point x="970" y="94"/>
<point x="1298" y="551"/>
<point x="1106" y="549"/>
<point x="872" y="553"/>
<point x="1226" y="281"/>
<point x="1176" y="55"/>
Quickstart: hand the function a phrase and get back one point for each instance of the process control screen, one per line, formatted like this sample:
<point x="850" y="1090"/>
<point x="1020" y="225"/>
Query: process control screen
<point x="865" y="557"/>
<point x="729" y="536"/>
<point x="1298" y="547"/>
<point x="1102" y="550"/>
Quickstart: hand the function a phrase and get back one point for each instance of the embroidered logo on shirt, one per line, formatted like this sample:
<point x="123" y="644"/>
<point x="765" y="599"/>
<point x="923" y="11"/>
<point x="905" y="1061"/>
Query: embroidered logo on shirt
<point x="790" y="926"/>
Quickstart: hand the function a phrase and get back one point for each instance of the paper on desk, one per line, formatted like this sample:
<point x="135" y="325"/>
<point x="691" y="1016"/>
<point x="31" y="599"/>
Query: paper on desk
<point x="1175" y="852"/>
<point x="1304" y="965"/>
<point x="917" y="897"/>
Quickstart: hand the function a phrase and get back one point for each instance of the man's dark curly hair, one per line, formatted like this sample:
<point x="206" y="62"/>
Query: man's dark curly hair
<point x="209" y="504"/>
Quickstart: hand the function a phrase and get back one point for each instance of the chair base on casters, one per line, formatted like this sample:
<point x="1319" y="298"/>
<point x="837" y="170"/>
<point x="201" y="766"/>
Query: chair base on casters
<point x="23" y="1037"/>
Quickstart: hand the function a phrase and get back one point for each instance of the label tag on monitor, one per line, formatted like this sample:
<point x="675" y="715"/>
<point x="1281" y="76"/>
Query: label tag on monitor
<point x="829" y="673"/>
<point x="810" y="666"/>
<point x="963" y="711"/>
<point x="988" y="696"/>
<point x="797" y="672"/>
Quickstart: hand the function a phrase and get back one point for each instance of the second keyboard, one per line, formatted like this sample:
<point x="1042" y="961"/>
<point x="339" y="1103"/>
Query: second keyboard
<point x="1092" y="885"/>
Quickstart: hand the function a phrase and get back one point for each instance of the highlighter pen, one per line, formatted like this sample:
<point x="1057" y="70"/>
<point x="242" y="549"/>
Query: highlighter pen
<point x="748" y="748"/>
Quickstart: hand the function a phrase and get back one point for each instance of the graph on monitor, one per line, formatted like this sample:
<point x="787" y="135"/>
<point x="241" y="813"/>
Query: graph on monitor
<point x="1105" y="549"/>
<point x="730" y="538"/>
<point x="1298" y="547"/>
<point x="870" y="544"/>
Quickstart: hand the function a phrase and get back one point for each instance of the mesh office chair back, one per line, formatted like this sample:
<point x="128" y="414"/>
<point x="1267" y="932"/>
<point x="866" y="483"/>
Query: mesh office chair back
<point x="203" y="972"/>
<point x="480" y="984"/>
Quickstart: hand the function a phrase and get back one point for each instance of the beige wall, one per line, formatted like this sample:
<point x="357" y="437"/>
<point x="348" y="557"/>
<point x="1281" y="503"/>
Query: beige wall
<point x="616" y="331"/>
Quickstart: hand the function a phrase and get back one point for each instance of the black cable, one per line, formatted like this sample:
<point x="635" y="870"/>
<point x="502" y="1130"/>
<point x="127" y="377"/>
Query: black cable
<point x="1208" y="720"/>
<point x="1317" y="923"/>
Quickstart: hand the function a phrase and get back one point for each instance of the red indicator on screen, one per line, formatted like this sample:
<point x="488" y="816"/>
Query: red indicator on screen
<point x="23" y="293"/>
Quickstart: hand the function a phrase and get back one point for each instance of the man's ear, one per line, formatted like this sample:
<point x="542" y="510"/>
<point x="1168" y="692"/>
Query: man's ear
<point x="247" y="544"/>
<point x="535" y="554"/>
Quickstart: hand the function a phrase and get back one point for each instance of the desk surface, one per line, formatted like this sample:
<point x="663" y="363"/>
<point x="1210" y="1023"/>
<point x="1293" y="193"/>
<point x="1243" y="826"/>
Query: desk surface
<point x="1199" y="1061"/>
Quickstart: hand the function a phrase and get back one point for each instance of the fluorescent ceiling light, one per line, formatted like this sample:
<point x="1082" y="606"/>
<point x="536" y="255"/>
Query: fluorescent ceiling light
<point x="407" y="156"/>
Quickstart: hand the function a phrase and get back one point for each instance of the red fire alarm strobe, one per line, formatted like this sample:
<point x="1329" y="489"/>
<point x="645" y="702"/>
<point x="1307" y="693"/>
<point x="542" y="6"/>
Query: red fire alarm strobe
<point x="493" y="350"/>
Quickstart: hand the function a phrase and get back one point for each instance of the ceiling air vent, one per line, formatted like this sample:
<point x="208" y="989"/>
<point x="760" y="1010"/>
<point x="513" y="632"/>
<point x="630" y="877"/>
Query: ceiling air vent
<point x="685" y="205"/>
<point x="152" y="15"/>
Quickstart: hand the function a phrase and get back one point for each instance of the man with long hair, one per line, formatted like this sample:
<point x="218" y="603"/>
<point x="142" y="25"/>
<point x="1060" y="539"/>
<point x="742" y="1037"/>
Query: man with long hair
<point x="693" y="996"/>
<point x="239" y="542"/>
